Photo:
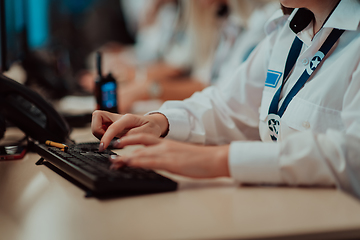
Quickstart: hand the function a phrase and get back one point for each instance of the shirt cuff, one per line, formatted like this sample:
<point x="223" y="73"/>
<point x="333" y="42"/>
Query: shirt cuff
<point x="255" y="162"/>
<point x="179" y="125"/>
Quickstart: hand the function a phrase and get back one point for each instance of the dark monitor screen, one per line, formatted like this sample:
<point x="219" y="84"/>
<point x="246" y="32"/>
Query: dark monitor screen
<point x="13" y="32"/>
<point x="61" y="24"/>
<point x="2" y="36"/>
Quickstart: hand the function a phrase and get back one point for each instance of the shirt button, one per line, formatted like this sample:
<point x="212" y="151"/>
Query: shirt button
<point x="305" y="61"/>
<point x="306" y="124"/>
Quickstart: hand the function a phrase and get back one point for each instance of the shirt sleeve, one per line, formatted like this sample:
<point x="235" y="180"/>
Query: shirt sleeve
<point x="298" y="160"/>
<point x="306" y="158"/>
<point x="221" y="114"/>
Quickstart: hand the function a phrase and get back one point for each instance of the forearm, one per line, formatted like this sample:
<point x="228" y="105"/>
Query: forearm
<point x="208" y="108"/>
<point x="221" y="160"/>
<point x="203" y="161"/>
<point x="179" y="89"/>
<point x="179" y="158"/>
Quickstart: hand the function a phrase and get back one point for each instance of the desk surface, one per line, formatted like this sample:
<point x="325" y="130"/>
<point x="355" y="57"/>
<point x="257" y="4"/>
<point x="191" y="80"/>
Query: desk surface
<point x="37" y="204"/>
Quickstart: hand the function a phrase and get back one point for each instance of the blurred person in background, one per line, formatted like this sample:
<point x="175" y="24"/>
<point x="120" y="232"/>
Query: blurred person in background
<point x="188" y="56"/>
<point x="165" y="54"/>
<point x="240" y="34"/>
<point x="217" y="45"/>
<point x="152" y="22"/>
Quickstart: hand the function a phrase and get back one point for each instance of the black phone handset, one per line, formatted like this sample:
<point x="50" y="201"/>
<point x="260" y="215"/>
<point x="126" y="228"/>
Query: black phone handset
<point x="31" y="113"/>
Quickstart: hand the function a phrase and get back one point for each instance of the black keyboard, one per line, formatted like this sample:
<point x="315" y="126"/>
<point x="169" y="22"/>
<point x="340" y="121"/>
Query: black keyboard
<point x="85" y="164"/>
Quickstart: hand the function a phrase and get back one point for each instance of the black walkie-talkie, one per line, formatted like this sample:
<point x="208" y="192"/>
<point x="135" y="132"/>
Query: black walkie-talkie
<point x="105" y="89"/>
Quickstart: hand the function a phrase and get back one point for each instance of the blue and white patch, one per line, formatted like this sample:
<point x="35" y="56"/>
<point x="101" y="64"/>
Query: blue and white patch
<point x="272" y="78"/>
<point x="315" y="61"/>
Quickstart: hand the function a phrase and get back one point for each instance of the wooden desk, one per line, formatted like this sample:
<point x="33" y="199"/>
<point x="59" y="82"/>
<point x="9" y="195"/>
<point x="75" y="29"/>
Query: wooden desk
<point x="38" y="204"/>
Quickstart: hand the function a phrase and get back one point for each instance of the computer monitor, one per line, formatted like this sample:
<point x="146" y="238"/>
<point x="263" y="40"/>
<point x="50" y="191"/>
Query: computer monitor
<point x="38" y="23"/>
<point x="13" y="32"/>
<point x="2" y="36"/>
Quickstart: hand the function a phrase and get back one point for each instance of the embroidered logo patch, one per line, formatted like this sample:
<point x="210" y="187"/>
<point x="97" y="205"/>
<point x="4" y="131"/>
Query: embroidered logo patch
<point x="272" y="78"/>
<point x="315" y="62"/>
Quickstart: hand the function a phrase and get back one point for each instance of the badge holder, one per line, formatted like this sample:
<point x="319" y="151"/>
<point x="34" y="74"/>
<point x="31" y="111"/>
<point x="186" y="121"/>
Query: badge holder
<point x="275" y="113"/>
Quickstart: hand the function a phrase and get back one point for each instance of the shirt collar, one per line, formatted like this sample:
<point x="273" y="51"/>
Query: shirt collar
<point x="346" y="16"/>
<point x="277" y="18"/>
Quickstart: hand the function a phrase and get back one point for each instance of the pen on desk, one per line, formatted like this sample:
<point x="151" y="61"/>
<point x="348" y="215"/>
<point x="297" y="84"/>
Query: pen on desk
<point x="63" y="147"/>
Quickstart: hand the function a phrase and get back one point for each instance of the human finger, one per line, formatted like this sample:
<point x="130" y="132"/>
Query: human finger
<point x="140" y="138"/>
<point x="116" y="164"/>
<point x="101" y="120"/>
<point x="119" y="128"/>
<point x="145" y="158"/>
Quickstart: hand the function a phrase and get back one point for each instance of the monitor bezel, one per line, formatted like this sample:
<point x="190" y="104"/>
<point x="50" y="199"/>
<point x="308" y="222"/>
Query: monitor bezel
<point x="3" y="66"/>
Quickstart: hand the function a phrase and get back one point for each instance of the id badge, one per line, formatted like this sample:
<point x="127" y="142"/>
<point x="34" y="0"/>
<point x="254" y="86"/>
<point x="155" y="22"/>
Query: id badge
<point x="273" y="123"/>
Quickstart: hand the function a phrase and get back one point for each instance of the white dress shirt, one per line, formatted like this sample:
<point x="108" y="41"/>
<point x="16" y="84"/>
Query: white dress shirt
<point x="238" y="40"/>
<point x="153" y="40"/>
<point x="320" y="129"/>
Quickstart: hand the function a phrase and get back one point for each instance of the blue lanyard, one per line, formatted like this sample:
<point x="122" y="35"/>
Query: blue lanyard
<point x="290" y="62"/>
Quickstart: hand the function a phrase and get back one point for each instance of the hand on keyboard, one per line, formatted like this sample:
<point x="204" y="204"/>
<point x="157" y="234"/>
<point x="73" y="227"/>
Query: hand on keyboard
<point x="106" y="125"/>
